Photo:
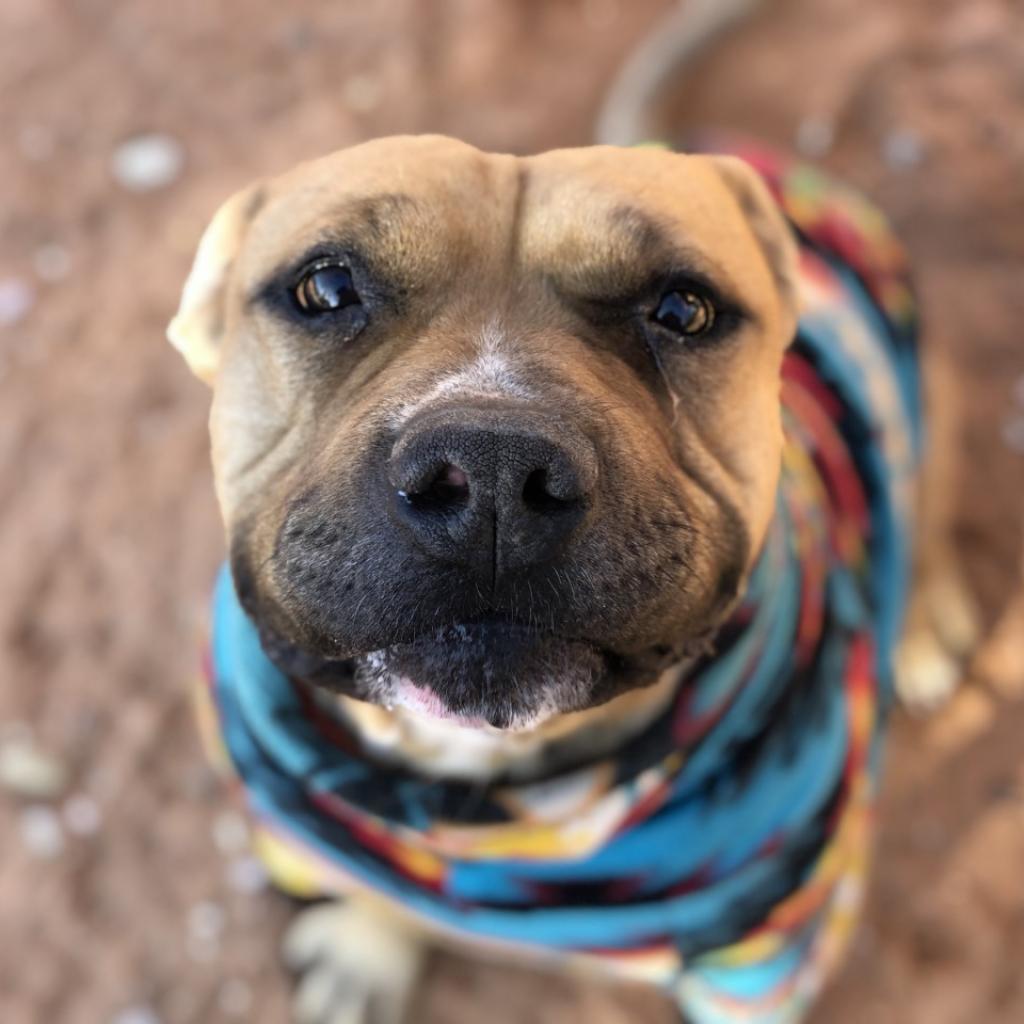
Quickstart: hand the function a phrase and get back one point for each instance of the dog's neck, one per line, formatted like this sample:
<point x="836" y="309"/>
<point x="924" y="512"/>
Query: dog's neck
<point x="442" y="748"/>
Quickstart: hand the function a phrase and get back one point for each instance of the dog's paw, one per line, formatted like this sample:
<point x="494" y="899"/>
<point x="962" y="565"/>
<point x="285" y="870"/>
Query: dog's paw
<point x="941" y="634"/>
<point x="926" y="673"/>
<point x="355" y="964"/>
<point x="953" y="614"/>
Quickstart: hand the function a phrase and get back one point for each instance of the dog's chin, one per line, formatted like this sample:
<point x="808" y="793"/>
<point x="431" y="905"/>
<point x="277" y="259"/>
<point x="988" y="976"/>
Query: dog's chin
<point x="485" y="675"/>
<point x="489" y="674"/>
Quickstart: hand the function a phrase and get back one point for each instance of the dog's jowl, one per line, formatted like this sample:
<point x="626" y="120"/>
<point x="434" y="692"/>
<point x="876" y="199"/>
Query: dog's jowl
<point x="567" y="501"/>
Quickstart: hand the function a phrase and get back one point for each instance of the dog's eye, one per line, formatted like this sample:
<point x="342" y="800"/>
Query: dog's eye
<point x="686" y="313"/>
<point x="326" y="287"/>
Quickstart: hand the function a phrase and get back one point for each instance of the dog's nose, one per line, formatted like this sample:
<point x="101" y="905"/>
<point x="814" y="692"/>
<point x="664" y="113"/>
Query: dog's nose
<point x="495" y="486"/>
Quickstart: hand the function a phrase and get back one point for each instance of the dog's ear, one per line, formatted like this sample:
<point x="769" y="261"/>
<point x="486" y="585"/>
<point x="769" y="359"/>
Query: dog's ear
<point x="198" y="327"/>
<point x="769" y="226"/>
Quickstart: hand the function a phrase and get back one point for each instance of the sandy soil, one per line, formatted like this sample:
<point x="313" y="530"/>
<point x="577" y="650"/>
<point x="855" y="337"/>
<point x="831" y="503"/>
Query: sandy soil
<point x="150" y="911"/>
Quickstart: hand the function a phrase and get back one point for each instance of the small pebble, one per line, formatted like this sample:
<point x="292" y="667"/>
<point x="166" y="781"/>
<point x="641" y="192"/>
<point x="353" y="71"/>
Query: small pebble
<point x="247" y="875"/>
<point x="235" y="997"/>
<point x="15" y="731"/>
<point x="136" y="1015"/>
<point x="298" y="35"/>
<point x="36" y="142"/>
<point x="230" y="833"/>
<point x="1013" y="434"/>
<point x="1004" y="790"/>
<point x="16" y="299"/>
<point x="52" y="262"/>
<point x="148" y="162"/>
<point x="26" y="771"/>
<point x="205" y="921"/>
<point x="815" y="136"/>
<point x="902" y="149"/>
<point x="82" y="815"/>
<point x="202" y="951"/>
<point x="361" y="93"/>
<point x="41" y="832"/>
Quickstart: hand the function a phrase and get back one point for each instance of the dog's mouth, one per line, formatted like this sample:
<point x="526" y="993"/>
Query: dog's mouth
<point x="487" y="673"/>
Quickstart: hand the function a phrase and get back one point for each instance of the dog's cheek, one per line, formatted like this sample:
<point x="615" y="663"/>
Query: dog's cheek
<point x="650" y="572"/>
<point x="729" y="434"/>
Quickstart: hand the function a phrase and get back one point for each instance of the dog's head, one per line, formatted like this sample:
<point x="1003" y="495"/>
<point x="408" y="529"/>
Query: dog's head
<point x="493" y="437"/>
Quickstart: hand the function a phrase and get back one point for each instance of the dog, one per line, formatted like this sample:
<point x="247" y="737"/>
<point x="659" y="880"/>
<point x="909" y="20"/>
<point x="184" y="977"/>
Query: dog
<point x="569" y="503"/>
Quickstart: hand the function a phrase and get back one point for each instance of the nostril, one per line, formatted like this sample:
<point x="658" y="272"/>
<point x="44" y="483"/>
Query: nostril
<point x="538" y="496"/>
<point x="445" y="491"/>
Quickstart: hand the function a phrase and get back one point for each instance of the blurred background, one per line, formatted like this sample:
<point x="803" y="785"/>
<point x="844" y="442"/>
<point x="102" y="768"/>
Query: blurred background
<point x="126" y="891"/>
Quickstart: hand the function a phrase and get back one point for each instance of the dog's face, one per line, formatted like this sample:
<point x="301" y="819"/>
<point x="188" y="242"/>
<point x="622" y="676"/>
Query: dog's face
<point x="494" y="437"/>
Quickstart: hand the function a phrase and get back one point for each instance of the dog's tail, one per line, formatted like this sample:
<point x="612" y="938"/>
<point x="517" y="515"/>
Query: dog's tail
<point x="627" y="116"/>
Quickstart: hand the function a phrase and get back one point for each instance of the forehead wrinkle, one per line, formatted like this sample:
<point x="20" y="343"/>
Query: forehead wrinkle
<point x="627" y="247"/>
<point x="388" y="227"/>
<point x="659" y="245"/>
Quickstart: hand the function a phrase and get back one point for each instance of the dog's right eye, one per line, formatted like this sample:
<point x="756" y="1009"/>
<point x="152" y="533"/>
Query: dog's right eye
<point x="326" y="287"/>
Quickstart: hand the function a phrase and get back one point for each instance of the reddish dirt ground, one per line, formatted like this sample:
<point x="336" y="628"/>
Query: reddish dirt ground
<point x="110" y="535"/>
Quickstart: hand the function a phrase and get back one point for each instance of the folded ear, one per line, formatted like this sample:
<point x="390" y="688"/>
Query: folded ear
<point x="197" y="328"/>
<point x="769" y="226"/>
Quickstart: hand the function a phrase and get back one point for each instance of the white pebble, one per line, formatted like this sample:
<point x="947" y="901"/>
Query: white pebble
<point x="136" y="1015"/>
<point x="28" y="772"/>
<point x="815" y="136"/>
<point x="235" y="997"/>
<point x="52" y="262"/>
<point x="902" y="149"/>
<point x="230" y="832"/>
<point x="148" y="162"/>
<point x="41" y="832"/>
<point x="361" y="93"/>
<point x="16" y="299"/>
<point x="1013" y="434"/>
<point x="82" y="815"/>
<point x="205" y="921"/>
<point x="36" y="142"/>
<point x="247" y="875"/>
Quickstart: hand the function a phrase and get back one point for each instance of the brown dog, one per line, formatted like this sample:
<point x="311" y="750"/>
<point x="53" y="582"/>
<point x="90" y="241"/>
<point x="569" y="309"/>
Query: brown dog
<point x="497" y="443"/>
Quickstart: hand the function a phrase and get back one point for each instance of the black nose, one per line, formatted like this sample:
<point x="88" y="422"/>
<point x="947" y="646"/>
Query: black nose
<point x="496" y="486"/>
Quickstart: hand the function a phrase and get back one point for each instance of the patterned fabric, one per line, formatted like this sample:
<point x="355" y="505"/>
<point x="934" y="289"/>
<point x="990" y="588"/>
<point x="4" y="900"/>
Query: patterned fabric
<point x="722" y="852"/>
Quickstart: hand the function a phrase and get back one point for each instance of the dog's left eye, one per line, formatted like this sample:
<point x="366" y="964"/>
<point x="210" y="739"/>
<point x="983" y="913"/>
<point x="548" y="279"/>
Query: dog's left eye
<point x="685" y="312"/>
<point x="326" y="287"/>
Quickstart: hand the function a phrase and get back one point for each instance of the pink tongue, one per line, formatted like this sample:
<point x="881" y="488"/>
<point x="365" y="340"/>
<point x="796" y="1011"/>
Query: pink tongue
<point x="425" y="702"/>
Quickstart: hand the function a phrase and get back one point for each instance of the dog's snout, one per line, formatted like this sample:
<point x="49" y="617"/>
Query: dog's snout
<point x="496" y="487"/>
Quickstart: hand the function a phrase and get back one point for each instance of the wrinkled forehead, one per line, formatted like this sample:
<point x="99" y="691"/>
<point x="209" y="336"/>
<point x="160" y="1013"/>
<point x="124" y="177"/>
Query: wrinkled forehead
<point x="590" y="216"/>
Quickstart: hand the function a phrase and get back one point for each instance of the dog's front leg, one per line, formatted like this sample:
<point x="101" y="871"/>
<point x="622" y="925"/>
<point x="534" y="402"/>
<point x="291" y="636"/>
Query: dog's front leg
<point x="942" y="623"/>
<point x="357" y="962"/>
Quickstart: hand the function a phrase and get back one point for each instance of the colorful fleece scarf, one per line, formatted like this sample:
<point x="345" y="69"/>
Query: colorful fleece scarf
<point x="721" y="852"/>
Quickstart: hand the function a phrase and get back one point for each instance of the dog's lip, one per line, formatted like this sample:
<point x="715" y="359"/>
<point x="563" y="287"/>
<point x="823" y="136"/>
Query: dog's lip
<point x="496" y="623"/>
<point x="421" y="700"/>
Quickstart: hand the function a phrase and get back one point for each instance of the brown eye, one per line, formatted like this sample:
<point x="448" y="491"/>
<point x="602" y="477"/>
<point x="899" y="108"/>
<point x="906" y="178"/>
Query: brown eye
<point x="685" y="313"/>
<point x="326" y="287"/>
